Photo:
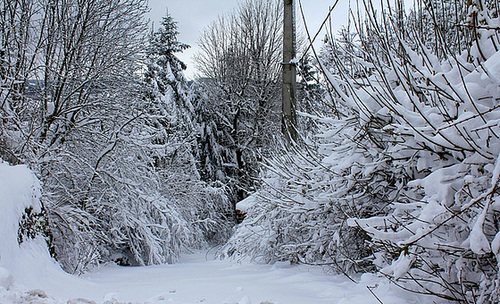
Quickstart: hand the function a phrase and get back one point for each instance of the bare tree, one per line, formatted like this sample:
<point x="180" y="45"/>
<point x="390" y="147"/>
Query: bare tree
<point x="240" y="61"/>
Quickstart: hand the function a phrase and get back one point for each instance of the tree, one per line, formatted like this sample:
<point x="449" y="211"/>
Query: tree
<point x="240" y="63"/>
<point x="170" y="111"/>
<point x="169" y="119"/>
<point x="163" y="64"/>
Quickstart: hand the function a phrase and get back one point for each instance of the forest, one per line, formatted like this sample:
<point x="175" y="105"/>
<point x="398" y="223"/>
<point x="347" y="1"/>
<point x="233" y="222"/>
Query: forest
<point x="393" y="167"/>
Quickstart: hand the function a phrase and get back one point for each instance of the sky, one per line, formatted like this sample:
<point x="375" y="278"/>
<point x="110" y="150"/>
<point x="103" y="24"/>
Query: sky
<point x="193" y="16"/>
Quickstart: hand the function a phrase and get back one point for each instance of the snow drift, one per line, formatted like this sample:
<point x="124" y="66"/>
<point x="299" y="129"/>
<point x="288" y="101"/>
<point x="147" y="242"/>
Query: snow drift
<point x="25" y="260"/>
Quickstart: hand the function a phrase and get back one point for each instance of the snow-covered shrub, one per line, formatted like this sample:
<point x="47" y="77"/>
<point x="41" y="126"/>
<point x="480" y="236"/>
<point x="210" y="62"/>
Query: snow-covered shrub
<point x="439" y="234"/>
<point x="301" y="212"/>
<point x="34" y="224"/>
<point x="130" y="210"/>
<point x="20" y="203"/>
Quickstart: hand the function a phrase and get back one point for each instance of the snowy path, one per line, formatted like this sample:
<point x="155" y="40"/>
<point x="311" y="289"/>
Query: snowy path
<point x="196" y="280"/>
<point x="200" y="281"/>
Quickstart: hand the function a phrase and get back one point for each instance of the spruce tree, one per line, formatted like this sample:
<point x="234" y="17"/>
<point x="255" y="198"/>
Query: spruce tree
<point x="170" y="107"/>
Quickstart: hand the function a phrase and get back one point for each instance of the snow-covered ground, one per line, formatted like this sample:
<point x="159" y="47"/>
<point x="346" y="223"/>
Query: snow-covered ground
<point x="198" y="280"/>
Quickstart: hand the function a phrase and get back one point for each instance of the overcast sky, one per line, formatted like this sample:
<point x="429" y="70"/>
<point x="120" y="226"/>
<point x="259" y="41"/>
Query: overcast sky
<point x="194" y="15"/>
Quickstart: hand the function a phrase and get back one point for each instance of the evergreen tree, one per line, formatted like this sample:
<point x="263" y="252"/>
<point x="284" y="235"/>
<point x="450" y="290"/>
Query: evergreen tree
<point x="170" y="108"/>
<point x="170" y="122"/>
<point x="164" y="67"/>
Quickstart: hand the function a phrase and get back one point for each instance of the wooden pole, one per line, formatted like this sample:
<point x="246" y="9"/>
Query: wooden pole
<point x="289" y="116"/>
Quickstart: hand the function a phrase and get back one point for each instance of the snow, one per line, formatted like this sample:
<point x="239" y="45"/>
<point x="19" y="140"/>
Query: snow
<point x="247" y="203"/>
<point x="492" y="66"/>
<point x="27" y="264"/>
<point x="6" y="278"/>
<point x="495" y="244"/>
<point x="50" y="108"/>
<point x="399" y="267"/>
<point x="19" y="189"/>
<point x="198" y="280"/>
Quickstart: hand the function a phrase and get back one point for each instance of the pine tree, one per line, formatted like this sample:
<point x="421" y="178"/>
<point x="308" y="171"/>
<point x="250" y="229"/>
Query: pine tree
<point x="170" y="106"/>
<point x="164" y="66"/>
<point x="169" y="109"/>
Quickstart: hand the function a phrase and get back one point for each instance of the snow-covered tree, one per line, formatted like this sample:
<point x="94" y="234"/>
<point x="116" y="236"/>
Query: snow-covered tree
<point x="170" y="108"/>
<point x="173" y="139"/>
<point x="239" y="104"/>
<point x="68" y="88"/>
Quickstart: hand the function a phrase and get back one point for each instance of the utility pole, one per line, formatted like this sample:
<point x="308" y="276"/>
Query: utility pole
<point x="289" y="115"/>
